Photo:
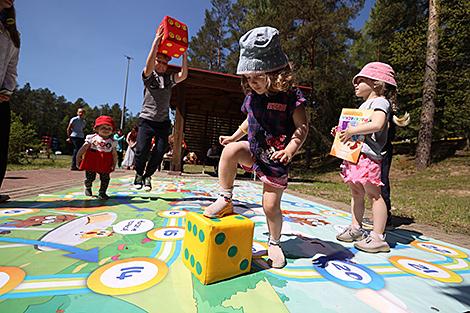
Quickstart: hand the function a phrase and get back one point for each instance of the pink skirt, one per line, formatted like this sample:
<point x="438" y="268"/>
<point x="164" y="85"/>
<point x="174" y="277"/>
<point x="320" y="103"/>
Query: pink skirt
<point x="365" y="171"/>
<point x="276" y="182"/>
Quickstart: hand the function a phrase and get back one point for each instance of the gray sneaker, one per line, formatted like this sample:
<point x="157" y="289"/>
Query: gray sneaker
<point x="148" y="183"/>
<point x="351" y="234"/>
<point x="372" y="245"/>
<point x="138" y="181"/>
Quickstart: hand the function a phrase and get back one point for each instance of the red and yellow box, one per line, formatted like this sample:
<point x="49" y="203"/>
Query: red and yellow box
<point x="175" y="37"/>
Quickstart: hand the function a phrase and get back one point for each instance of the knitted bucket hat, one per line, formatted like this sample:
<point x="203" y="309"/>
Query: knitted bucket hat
<point x="105" y="120"/>
<point x="260" y="51"/>
<point x="378" y="71"/>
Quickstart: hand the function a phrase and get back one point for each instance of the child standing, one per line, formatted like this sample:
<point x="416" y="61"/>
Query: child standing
<point x="98" y="155"/>
<point x="276" y="126"/>
<point x="376" y="84"/>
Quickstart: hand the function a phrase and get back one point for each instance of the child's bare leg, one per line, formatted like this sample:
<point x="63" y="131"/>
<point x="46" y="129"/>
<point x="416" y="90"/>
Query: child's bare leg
<point x="357" y="204"/>
<point x="272" y="209"/>
<point x="379" y="208"/>
<point x="375" y="242"/>
<point x="233" y="153"/>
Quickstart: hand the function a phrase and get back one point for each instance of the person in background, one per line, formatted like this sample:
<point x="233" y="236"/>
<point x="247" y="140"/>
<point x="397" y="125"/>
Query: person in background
<point x="119" y="138"/>
<point x="76" y="135"/>
<point x="213" y="157"/>
<point x="131" y="140"/>
<point x="154" y="118"/>
<point x="9" y="52"/>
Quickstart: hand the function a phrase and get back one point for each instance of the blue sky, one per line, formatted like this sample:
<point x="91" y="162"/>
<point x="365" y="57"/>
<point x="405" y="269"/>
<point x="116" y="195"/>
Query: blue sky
<point x="76" y="48"/>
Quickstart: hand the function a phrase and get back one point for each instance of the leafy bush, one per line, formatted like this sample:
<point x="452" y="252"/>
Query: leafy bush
<point x="22" y="137"/>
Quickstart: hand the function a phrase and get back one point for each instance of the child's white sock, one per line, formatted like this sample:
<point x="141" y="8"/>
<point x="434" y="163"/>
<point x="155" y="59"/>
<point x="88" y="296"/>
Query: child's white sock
<point x="222" y="206"/>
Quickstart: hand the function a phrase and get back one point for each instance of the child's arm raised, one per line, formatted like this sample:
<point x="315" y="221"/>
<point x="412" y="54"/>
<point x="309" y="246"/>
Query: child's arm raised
<point x="81" y="152"/>
<point x="237" y="135"/>
<point x="377" y="123"/>
<point x="298" y="138"/>
<point x="150" y="64"/>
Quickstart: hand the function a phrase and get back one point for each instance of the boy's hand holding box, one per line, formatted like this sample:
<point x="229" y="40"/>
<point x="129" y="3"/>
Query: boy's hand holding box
<point x="175" y="37"/>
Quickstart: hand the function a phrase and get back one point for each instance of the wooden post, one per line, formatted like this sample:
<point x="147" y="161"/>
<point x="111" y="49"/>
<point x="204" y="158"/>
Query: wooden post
<point x="176" y="167"/>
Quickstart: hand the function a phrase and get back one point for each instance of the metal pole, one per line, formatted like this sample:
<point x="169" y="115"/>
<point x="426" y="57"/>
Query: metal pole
<point x="123" y="113"/>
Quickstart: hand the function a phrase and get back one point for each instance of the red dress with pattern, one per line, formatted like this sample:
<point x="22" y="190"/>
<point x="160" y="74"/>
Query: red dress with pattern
<point x="99" y="157"/>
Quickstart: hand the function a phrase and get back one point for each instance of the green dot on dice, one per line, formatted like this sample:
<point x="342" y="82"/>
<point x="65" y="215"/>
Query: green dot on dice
<point x="220" y="238"/>
<point x="232" y="251"/>
<point x="198" y="268"/>
<point x="186" y="253"/>
<point x="238" y="217"/>
<point x="195" y="230"/>
<point x="192" y="260"/>
<point x="244" y="264"/>
<point x="201" y="236"/>
<point x="189" y="225"/>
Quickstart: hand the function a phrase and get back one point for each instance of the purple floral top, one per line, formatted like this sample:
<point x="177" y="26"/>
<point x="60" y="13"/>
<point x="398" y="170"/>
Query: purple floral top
<point x="270" y="127"/>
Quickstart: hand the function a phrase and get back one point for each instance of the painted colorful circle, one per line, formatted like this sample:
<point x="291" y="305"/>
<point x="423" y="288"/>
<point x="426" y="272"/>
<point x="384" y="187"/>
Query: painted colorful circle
<point x="172" y="214"/>
<point x="439" y="249"/>
<point x="133" y="226"/>
<point x="172" y="233"/>
<point x="351" y="275"/>
<point x="14" y="212"/>
<point x="259" y="249"/>
<point x="192" y="207"/>
<point x="10" y="278"/>
<point x="425" y="269"/>
<point x="127" y="276"/>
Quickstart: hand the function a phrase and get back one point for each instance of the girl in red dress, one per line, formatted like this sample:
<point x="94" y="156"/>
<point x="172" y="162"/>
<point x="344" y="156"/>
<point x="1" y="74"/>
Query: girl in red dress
<point x="98" y="155"/>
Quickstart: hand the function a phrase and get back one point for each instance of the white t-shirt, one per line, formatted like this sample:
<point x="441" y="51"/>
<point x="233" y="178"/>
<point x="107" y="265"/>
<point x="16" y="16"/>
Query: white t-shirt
<point x="374" y="143"/>
<point x="101" y="144"/>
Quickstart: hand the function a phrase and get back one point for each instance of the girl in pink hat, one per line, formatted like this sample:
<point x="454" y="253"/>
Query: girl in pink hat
<point x="99" y="155"/>
<point x="376" y="84"/>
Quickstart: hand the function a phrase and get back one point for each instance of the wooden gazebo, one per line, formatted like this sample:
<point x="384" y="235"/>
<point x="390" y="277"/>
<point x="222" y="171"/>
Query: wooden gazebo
<point x="207" y="106"/>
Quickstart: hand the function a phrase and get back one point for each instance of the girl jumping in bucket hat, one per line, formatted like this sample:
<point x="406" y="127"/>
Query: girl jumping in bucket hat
<point x="276" y="126"/>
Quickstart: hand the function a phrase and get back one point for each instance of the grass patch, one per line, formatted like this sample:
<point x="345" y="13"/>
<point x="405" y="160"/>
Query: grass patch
<point x="438" y="196"/>
<point x="42" y="162"/>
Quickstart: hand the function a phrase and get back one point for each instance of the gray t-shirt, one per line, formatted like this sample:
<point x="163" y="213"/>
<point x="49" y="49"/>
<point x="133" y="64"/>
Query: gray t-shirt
<point x="374" y="143"/>
<point x="77" y="127"/>
<point x="157" y="94"/>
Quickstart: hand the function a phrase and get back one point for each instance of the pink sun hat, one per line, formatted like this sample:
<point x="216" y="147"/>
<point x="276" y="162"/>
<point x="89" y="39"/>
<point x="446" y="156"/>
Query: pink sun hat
<point x="378" y="71"/>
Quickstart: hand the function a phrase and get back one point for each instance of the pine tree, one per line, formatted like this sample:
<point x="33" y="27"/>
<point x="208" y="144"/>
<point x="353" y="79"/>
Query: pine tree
<point x="423" y="150"/>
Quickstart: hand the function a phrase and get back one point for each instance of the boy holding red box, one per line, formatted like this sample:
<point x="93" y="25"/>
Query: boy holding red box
<point x="154" y="118"/>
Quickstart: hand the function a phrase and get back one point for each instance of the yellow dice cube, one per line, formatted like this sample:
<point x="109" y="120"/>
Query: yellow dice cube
<point x="216" y="249"/>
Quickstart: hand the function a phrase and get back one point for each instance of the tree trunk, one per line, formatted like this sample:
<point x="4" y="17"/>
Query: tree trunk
<point x="423" y="149"/>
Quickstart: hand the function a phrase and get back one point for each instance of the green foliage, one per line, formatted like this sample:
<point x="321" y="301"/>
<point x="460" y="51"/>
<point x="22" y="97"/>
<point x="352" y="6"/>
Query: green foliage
<point x="22" y="137"/>
<point x="396" y="33"/>
<point x="49" y="114"/>
<point x="207" y="49"/>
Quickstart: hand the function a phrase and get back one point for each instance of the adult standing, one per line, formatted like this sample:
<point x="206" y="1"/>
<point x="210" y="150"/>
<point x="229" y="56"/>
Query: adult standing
<point x="9" y="51"/>
<point x="119" y="138"/>
<point x="154" y="118"/>
<point x="76" y="135"/>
